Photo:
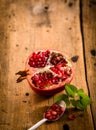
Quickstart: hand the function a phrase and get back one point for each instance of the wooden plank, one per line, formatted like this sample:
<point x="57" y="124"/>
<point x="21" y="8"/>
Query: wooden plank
<point x="4" y="47"/>
<point x="89" y="28"/>
<point x="29" y="27"/>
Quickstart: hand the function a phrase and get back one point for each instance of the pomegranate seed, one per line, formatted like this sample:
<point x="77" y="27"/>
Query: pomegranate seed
<point x="54" y="113"/>
<point x="48" y="115"/>
<point x="72" y="116"/>
<point x="54" y="106"/>
<point x="55" y="80"/>
<point x="62" y="63"/>
<point x="50" y="118"/>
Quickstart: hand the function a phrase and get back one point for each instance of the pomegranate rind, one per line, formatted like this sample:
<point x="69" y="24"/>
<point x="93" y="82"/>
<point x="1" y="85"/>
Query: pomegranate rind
<point x="52" y="89"/>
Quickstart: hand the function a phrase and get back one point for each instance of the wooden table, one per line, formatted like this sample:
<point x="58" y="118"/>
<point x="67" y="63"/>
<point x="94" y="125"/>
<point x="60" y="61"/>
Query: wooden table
<point x="30" y="25"/>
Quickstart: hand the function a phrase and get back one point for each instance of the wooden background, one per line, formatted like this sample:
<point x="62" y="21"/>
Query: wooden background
<point x="29" y="25"/>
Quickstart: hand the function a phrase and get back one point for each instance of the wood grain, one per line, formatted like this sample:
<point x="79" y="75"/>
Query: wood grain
<point x="89" y="29"/>
<point x="24" y="29"/>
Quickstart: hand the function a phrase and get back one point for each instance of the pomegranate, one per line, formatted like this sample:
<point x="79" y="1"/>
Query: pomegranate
<point x="48" y="71"/>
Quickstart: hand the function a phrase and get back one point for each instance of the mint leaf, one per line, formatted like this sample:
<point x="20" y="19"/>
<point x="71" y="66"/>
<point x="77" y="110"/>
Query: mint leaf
<point x="72" y="87"/>
<point x="70" y="90"/>
<point x="62" y="97"/>
<point x="86" y="100"/>
<point x="75" y="96"/>
<point x="82" y="94"/>
<point x="78" y="104"/>
<point x="80" y="90"/>
<point x="74" y="103"/>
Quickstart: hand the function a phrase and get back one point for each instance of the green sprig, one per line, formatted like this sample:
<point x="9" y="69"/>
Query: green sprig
<point x="75" y="97"/>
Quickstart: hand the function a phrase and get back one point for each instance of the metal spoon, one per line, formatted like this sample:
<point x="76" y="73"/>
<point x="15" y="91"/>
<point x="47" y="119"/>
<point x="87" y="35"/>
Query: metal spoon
<point x="61" y="104"/>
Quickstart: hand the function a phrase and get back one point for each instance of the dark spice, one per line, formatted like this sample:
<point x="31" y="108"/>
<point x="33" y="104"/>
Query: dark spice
<point x="93" y="52"/>
<point x="65" y="127"/>
<point x="74" y="58"/>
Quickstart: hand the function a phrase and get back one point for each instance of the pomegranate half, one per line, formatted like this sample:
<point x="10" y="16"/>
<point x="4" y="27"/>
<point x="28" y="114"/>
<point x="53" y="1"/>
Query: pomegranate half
<point x="48" y="72"/>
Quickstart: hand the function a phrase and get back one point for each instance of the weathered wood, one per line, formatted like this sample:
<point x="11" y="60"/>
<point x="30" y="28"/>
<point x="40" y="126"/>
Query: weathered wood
<point x="30" y="26"/>
<point x="89" y="29"/>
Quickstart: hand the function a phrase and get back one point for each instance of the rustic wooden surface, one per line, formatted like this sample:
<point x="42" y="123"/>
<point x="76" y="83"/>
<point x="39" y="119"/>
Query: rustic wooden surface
<point x="25" y="28"/>
<point x="89" y="29"/>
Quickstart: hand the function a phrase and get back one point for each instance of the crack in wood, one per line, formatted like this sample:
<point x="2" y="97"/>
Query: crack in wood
<point x="83" y="46"/>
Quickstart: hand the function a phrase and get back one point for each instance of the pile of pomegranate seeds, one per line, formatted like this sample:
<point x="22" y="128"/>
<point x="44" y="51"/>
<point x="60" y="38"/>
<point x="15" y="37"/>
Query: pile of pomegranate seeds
<point x="39" y="59"/>
<point x="54" y="112"/>
<point x="56" y="58"/>
<point x="44" y="79"/>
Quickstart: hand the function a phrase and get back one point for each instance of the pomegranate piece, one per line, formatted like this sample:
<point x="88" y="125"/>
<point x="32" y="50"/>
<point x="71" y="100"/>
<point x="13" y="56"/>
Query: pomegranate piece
<point x="63" y="73"/>
<point x="44" y="79"/>
<point x="49" y="71"/>
<point x="54" y="112"/>
<point x="39" y="59"/>
<point x="57" y="58"/>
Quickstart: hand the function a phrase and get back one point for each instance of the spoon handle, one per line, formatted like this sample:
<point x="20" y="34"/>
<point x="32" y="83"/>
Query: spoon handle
<point x="38" y="124"/>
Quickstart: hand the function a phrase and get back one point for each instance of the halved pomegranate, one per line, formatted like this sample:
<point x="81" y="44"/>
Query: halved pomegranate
<point x="48" y="72"/>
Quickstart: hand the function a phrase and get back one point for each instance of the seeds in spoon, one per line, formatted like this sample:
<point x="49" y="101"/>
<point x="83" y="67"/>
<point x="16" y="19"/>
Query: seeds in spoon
<point x="54" y="112"/>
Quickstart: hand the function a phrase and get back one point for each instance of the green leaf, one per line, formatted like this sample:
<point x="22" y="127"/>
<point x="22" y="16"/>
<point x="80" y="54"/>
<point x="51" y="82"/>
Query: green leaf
<point x="62" y="97"/>
<point x="82" y="94"/>
<point x="80" y="90"/>
<point x="78" y="104"/>
<point x="86" y="100"/>
<point x="70" y="90"/>
<point x="74" y="103"/>
<point x="72" y="87"/>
